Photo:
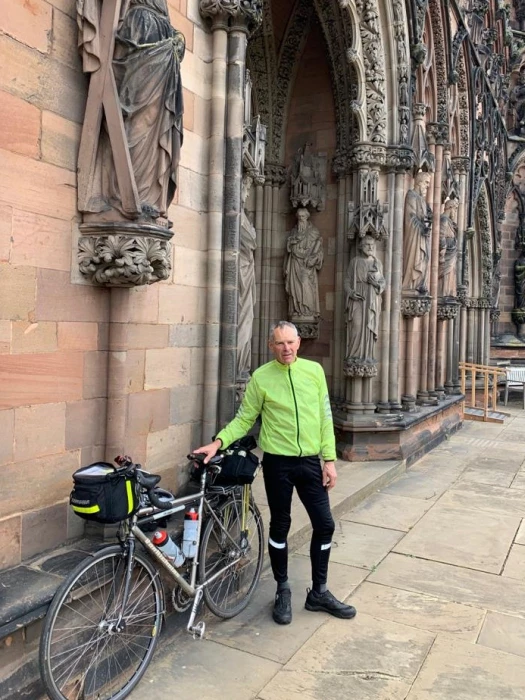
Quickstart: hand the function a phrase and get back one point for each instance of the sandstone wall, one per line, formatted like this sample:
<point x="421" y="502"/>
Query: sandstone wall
<point x="53" y="327"/>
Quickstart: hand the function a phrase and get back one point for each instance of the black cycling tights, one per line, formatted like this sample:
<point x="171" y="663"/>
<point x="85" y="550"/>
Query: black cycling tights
<point x="281" y="474"/>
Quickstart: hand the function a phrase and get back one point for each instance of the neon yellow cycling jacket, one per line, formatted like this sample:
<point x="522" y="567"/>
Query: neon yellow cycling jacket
<point x="295" y="409"/>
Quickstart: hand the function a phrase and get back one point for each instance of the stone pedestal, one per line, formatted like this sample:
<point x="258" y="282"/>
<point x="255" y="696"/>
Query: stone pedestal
<point x="363" y="438"/>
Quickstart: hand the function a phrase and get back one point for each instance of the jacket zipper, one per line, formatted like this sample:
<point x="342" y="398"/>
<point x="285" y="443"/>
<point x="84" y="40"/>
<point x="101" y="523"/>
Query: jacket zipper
<point x="296" y="411"/>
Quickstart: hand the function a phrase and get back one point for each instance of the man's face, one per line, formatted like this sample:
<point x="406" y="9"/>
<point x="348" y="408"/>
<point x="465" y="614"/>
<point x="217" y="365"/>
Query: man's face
<point x="368" y="246"/>
<point x="285" y="345"/>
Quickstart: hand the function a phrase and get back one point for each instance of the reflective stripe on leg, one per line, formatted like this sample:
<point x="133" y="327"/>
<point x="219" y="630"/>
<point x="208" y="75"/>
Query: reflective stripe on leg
<point x="277" y="545"/>
<point x="326" y="546"/>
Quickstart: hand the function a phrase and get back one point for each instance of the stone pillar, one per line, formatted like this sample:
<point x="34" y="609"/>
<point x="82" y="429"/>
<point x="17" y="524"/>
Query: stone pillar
<point x="383" y="405"/>
<point x="215" y="218"/>
<point x="259" y="213"/>
<point x="339" y="382"/>
<point x="461" y="166"/>
<point x="395" y="291"/>
<point x="266" y="257"/>
<point x="439" y="134"/>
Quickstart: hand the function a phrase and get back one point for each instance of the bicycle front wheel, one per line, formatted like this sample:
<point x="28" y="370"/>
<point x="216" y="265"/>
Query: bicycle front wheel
<point x="233" y="555"/>
<point x="91" y="648"/>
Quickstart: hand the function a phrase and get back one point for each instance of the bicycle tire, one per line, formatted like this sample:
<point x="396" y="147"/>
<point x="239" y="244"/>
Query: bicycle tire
<point x="229" y="594"/>
<point x="81" y="656"/>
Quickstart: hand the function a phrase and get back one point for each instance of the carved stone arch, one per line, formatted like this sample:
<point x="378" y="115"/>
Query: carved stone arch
<point x="464" y="109"/>
<point x="481" y="247"/>
<point x="440" y="60"/>
<point x="261" y="62"/>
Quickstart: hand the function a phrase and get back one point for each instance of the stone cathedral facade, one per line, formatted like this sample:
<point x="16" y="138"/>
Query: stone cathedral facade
<point x="180" y="183"/>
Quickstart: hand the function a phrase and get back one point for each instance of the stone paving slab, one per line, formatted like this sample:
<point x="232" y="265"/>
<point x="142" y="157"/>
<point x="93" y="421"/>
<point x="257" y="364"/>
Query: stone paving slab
<point x="485" y="497"/>
<point x="447" y="582"/>
<point x="459" y="536"/>
<point x="493" y="477"/>
<point x="520" y="536"/>
<point x="418" y="610"/>
<point x="205" y="670"/>
<point x="255" y="631"/>
<point x="364" y="658"/>
<point x="359" y="545"/>
<point x="456" y="670"/>
<point x="519" y="480"/>
<point x="503" y="632"/>
<point x="515" y="564"/>
<point x="426" y="485"/>
<point x="389" y="511"/>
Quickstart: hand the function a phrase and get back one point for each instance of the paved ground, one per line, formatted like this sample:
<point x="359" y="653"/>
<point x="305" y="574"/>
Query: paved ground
<point x="435" y="565"/>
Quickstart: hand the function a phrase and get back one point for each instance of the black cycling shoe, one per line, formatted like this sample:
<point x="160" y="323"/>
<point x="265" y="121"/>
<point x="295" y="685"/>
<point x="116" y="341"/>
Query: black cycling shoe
<point x="326" y="602"/>
<point x="282" y="609"/>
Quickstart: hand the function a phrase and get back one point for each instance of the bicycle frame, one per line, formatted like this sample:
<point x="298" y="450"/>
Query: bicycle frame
<point x="151" y="513"/>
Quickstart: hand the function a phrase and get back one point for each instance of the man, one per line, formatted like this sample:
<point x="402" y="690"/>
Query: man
<point x="291" y="396"/>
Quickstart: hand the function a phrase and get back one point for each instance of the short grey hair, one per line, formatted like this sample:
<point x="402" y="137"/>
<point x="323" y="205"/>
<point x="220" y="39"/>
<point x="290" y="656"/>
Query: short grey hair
<point x="280" y="325"/>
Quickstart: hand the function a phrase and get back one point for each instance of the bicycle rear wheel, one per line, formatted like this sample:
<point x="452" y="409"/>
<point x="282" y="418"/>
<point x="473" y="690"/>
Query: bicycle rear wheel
<point x="226" y="544"/>
<point x="84" y="653"/>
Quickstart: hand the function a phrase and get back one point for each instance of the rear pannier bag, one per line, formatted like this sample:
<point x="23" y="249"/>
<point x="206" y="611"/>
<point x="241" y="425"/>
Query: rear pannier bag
<point x="239" y="465"/>
<point x="101" y="494"/>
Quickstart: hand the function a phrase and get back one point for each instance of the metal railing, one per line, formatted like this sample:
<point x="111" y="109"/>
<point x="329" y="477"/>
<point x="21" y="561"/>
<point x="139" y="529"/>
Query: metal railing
<point x="487" y="376"/>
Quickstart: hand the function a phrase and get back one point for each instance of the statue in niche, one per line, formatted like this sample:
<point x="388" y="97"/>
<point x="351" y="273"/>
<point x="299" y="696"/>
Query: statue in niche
<point x="301" y="267"/>
<point x="417" y="228"/>
<point x="308" y="179"/>
<point x="448" y="249"/>
<point x="364" y="284"/>
<point x="136" y="152"/>
<point x="519" y="281"/>
<point x="246" y="286"/>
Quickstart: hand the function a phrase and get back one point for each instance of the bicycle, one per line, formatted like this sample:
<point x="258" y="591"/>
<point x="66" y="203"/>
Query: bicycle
<point x="103" y="624"/>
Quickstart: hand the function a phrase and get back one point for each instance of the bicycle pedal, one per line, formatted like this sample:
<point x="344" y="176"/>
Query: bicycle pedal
<point x="198" y="630"/>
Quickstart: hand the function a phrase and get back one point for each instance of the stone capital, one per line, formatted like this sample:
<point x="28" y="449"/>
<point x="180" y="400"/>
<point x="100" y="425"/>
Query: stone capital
<point x="248" y="11"/>
<point x="461" y="164"/>
<point x="437" y="133"/>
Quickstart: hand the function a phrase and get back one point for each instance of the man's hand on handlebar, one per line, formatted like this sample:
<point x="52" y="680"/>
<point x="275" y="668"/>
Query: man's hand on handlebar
<point x="209" y="450"/>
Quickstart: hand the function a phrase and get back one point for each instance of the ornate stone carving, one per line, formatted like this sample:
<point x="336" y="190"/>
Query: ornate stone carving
<point x="275" y="174"/>
<point x="517" y="102"/>
<point x="247" y="288"/>
<point x="447" y="309"/>
<point x="448" y="249"/>
<point x="127" y="258"/>
<point x="250" y="10"/>
<point x="519" y="281"/>
<point x="403" y="71"/>
<point x="308" y="179"/>
<point x="412" y="306"/>
<point x="254" y="138"/>
<point x="439" y="63"/>
<point x="374" y="62"/>
<point x="303" y="261"/>
<point x="359" y="368"/>
<point x="368" y="218"/>
<point x="459" y="37"/>
<point x="131" y="139"/>
<point x="486" y="246"/>
<point x="423" y="159"/>
<point x="307" y="331"/>
<point x="417" y="240"/>
<point x="364" y="284"/>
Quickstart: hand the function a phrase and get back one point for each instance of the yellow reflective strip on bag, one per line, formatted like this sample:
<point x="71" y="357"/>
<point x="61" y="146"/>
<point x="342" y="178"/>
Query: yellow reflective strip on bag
<point x="129" y="491"/>
<point x="91" y="509"/>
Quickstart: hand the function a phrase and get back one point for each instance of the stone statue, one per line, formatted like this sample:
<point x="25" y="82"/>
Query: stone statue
<point x="448" y="249"/>
<point x="519" y="281"/>
<point x="246" y="287"/>
<point x="139" y="164"/>
<point x="364" y="283"/>
<point x="302" y="264"/>
<point x="417" y="228"/>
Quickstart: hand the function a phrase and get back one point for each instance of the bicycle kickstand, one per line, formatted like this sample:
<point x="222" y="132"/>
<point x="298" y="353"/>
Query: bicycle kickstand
<point x="196" y="630"/>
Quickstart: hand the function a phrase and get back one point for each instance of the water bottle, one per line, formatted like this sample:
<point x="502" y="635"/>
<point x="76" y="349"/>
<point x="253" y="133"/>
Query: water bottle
<point x="167" y="546"/>
<point x="189" y="537"/>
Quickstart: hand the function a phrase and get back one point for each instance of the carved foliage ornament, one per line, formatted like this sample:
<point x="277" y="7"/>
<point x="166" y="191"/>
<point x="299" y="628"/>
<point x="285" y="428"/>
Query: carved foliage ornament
<point x="250" y="9"/>
<point x="374" y="60"/>
<point x="124" y="260"/>
<point x="415" y="306"/>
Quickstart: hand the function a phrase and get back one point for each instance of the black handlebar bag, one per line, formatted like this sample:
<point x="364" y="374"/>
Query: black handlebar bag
<point x="239" y="465"/>
<point x="102" y="494"/>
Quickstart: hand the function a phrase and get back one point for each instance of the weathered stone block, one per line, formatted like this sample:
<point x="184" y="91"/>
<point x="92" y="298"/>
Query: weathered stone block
<point x="28" y="22"/>
<point x="50" y="479"/>
<point x="168" y="448"/>
<point x="10" y="536"/>
<point x="5" y="337"/>
<point x="126" y="372"/>
<point x="189" y="110"/>
<point x="182" y="24"/>
<point x="167" y="368"/>
<point x="6" y="227"/>
<point x="185" y="404"/>
<point x="190" y="267"/>
<point x="43" y="529"/>
<point x="136" y="305"/>
<point x="39" y="431"/>
<point x="17" y="292"/>
<point x="95" y="375"/>
<point x="85" y="423"/>
<point x="77" y="336"/>
<point x="65" y="42"/>
<point x="190" y="335"/>
<point x="40" y="241"/>
<point x="138" y="336"/>
<point x="179" y="304"/>
<point x="33" y="337"/>
<point x="59" y="300"/>
<point x="7" y="431"/>
<point x="20" y="124"/>
<point x="148" y="411"/>
<point x="60" y="140"/>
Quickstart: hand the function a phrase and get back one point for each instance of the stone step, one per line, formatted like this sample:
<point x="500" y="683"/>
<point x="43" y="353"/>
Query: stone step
<point x="29" y="589"/>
